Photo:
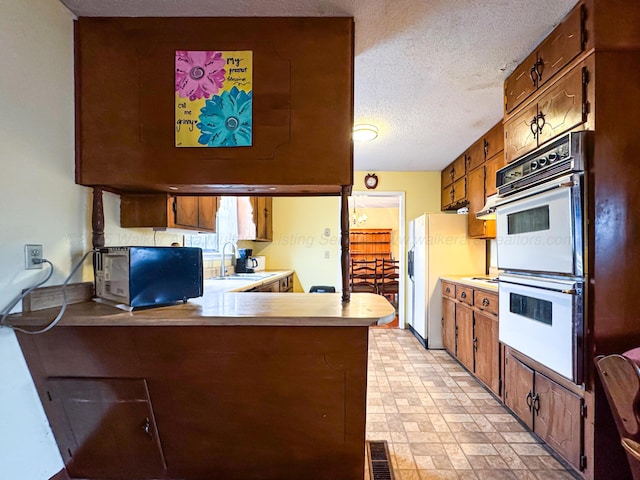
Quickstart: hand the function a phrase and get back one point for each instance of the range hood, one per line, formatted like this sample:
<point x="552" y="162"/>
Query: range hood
<point x="488" y="211"/>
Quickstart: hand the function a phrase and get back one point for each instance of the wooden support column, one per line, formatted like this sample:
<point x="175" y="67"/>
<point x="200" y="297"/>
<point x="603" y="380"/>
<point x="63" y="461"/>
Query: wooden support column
<point x="344" y="242"/>
<point x="97" y="219"/>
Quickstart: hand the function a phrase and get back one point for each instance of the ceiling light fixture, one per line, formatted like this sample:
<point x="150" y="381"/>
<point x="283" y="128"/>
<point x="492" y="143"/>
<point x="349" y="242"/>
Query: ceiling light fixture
<point x="364" y="132"/>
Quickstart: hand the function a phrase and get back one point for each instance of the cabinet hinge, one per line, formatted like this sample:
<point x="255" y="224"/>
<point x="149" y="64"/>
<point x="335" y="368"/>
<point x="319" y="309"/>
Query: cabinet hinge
<point x="583" y="462"/>
<point x="583" y="26"/>
<point x="585" y="75"/>
<point x="583" y="410"/>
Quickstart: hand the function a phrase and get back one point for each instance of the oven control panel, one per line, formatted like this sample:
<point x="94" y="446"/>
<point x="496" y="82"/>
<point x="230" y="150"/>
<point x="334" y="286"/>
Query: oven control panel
<point x="561" y="156"/>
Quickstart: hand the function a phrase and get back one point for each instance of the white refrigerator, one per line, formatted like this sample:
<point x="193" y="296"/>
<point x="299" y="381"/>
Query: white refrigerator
<point x="438" y="245"/>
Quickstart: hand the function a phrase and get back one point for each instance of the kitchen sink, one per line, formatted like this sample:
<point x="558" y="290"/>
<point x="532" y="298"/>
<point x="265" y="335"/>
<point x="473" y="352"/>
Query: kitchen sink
<point x="244" y="276"/>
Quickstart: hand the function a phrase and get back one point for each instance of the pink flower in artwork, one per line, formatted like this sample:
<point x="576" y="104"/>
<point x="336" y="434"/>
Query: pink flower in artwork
<point x="199" y="73"/>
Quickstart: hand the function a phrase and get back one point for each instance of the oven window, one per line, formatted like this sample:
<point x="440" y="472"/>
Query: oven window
<point x="532" y="220"/>
<point x="533" y="308"/>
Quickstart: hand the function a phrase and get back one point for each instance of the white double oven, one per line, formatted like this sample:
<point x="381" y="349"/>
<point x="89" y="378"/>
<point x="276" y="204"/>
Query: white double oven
<point x="541" y="253"/>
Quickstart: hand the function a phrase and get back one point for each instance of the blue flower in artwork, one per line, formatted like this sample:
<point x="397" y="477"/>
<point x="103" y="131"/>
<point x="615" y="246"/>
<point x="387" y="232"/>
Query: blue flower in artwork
<point x="226" y="119"/>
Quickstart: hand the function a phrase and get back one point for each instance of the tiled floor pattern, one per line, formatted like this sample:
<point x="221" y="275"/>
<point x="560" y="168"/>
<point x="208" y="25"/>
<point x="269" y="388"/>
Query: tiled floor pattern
<point x="440" y="422"/>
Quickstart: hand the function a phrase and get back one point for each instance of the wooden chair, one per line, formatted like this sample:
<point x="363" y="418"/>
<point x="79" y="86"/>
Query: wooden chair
<point x="363" y="276"/>
<point x="388" y="280"/>
<point x="621" y="381"/>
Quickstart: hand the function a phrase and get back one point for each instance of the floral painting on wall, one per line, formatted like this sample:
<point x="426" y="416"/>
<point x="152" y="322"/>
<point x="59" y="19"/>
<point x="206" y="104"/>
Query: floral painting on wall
<point x="214" y="96"/>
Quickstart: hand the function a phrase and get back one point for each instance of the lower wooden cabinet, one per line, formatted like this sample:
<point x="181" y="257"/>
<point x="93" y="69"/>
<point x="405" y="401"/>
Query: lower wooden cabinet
<point x="486" y="350"/>
<point x="449" y="324"/>
<point x="550" y="410"/>
<point x="470" y="331"/>
<point x="282" y="285"/>
<point x="464" y="336"/>
<point x="105" y="427"/>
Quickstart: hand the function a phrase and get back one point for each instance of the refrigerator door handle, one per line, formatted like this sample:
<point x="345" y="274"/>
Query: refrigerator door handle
<point x="410" y="263"/>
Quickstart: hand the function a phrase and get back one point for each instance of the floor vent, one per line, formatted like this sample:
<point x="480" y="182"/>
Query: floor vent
<point x="379" y="462"/>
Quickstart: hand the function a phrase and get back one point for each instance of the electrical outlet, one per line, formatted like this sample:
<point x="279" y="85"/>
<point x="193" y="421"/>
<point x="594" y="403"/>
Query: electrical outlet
<point x="326" y="254"/>
<point x="327" y="231"/>
<point x="32" y="257"/>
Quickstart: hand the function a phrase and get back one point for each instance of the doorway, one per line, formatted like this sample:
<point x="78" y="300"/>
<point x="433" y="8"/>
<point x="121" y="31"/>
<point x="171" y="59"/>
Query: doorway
<point x="384" y="210"/>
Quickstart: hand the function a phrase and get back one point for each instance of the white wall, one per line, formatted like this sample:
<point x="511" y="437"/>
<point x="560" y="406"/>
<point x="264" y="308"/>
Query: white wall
<point x="39" y="203"/>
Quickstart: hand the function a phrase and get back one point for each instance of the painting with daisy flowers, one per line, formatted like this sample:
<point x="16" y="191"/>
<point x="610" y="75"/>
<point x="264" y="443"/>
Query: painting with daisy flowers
<point x="214" y="96"/>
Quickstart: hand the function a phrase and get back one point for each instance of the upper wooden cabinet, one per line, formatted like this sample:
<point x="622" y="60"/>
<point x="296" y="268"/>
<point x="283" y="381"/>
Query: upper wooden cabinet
<point x="255" y="218"/>
<point x="302" y="111"/>
<point x="563" y="45"/>
<point x="169" y="211"/>
<point x="562" y="107"/>
<point x="478" y="180"/>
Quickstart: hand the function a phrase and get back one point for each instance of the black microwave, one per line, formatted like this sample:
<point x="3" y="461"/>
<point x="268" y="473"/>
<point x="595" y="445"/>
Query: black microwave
<point x="139" y="277"/>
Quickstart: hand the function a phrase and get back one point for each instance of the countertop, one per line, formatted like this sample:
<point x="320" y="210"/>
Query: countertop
<point x="473" y="281"/>
<point x="218" y="308"/>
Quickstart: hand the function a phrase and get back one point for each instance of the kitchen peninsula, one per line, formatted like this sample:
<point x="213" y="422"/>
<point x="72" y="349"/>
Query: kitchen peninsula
<point x="233" y="385"/>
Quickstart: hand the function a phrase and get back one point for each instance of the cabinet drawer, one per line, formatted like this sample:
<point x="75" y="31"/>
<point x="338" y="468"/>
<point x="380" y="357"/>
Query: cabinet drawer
<point x="487" y="301"/>
<point x="464" y="294"/>
<point x="448" y="289"/>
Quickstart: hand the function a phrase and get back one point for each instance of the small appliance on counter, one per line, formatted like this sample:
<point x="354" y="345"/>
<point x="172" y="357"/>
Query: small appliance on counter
<point x="245" y="263"/>
<point x="262" y="263"/>
<point x="139" y="277"/>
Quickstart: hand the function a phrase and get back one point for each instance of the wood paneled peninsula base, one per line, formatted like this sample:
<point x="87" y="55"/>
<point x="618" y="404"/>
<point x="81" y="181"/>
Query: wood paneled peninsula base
<point x="234" y="386"/>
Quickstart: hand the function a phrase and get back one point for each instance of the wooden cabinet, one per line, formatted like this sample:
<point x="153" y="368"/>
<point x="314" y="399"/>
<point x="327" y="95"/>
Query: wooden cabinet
<point x="470" y="330"/>
<point x="491" y="167"/>
<point x="486" y="350"/>
<point x="263" y="218"/>
<point x="464" y="336"/>
<point x="476" y="182"/>
<point x="449" y="325"/>
<point x="564" y="44"/>
<point x="169" y="211"/>
<point x="475" y="155"/>
<point x="453" y="184"/>
<point x="286" y="284"/>
<point x="552" y="411"/>
<point x="559" y="109"/>
<point x="124" y="74"/>
<point x="282" y="285"/>
<point x="104" y="427"/>
<point x="471" y="189"/>
<point x="255" y="223"/>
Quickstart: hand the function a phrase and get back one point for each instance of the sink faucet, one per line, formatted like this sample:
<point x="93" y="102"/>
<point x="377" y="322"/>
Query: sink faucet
<point x="234" y="248"/>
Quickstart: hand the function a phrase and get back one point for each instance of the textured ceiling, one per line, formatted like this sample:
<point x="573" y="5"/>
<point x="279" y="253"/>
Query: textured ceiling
<point x="428" y="73"/>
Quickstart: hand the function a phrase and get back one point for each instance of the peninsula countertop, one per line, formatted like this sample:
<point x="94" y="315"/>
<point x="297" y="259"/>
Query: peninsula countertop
<point x="228" y="308"/>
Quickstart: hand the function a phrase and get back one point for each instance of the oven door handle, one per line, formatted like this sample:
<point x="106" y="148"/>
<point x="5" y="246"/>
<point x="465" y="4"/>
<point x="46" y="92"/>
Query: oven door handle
<point x="567" y="181"/>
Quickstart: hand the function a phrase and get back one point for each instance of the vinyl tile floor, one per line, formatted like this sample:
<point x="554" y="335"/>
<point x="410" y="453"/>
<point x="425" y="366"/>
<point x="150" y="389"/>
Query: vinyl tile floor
<point x="440" y="422"/>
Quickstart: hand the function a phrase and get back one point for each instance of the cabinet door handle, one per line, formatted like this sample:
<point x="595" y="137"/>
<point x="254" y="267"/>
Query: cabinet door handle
<point x="530" y="400"/>
<point x="448" y="290"/>
<point x="485" y="302"/>
<point x="533" y="75"/>
<point x="539" y="118"/>
<point x="486" y="148"/>
<point x="475" y="344"/>
<point x="536" y="403"/>
<point x="463" y="295"/>
<point x="146" y="426"/>
<point x="533" y="126"/>
<point x="538" y="69"/>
